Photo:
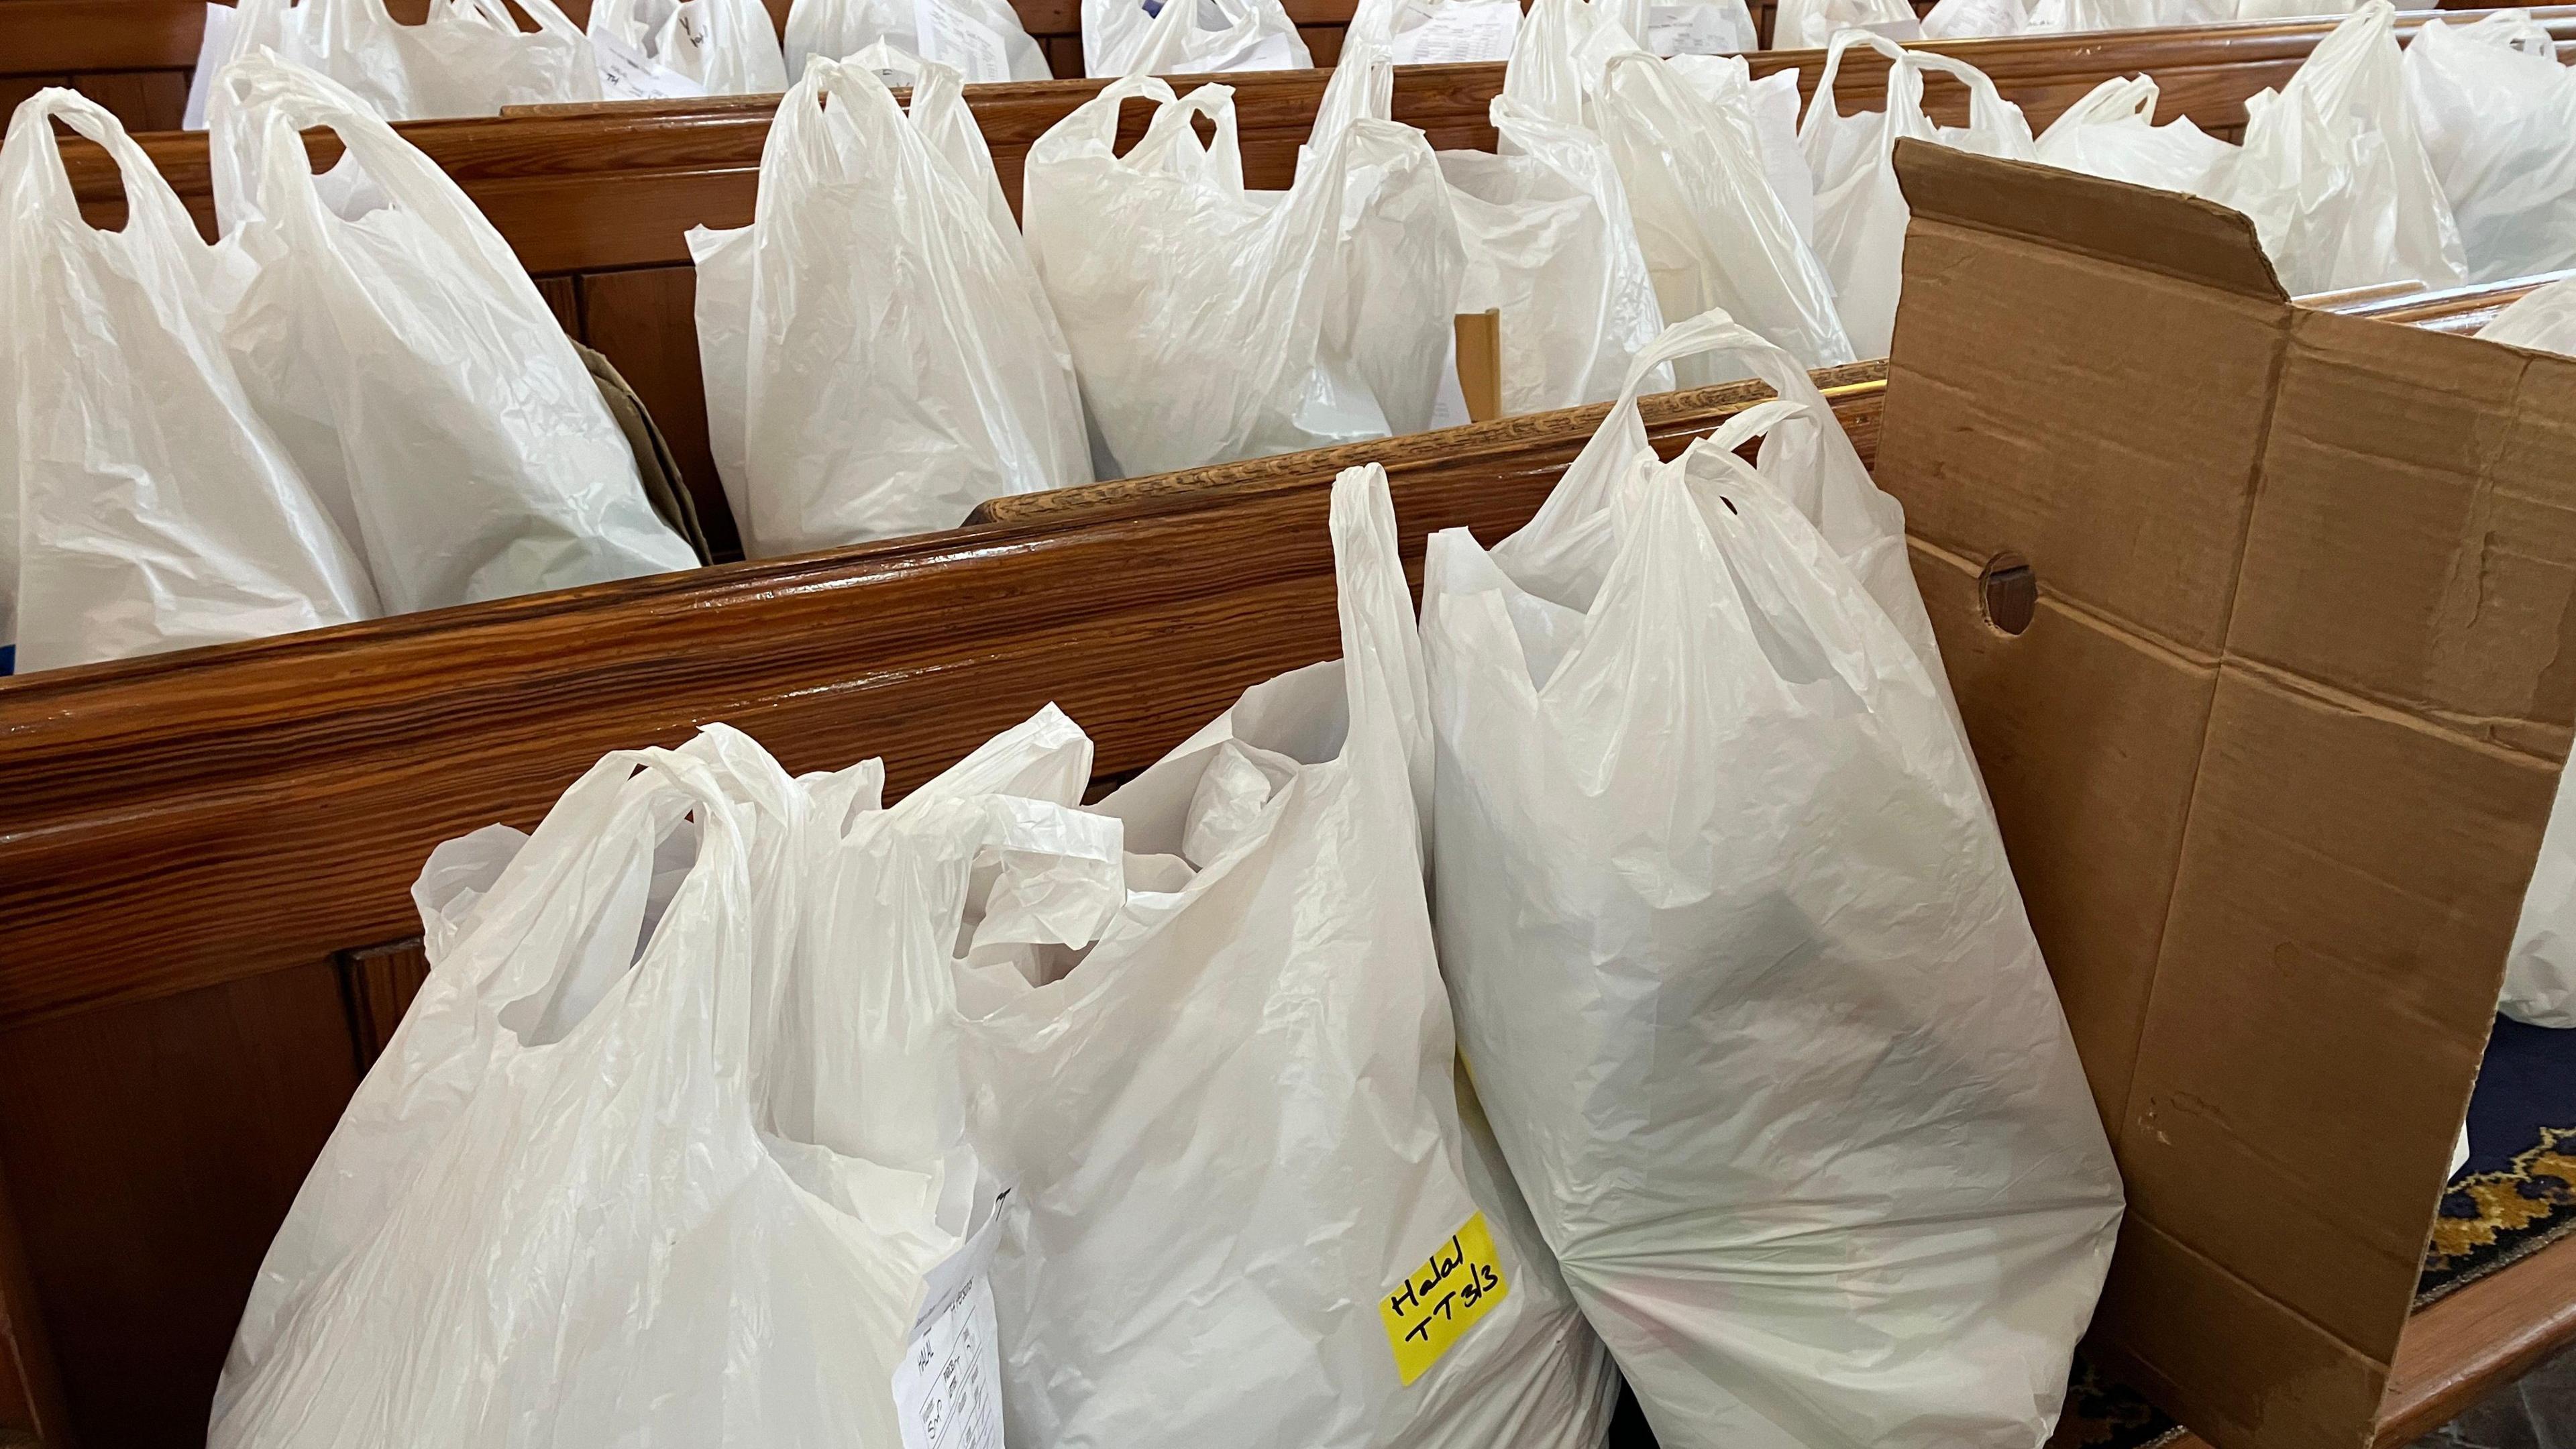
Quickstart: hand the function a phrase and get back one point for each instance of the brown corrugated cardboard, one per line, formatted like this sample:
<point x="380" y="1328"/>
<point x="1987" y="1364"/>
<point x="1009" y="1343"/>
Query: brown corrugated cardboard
<point x="2272" y="757"/>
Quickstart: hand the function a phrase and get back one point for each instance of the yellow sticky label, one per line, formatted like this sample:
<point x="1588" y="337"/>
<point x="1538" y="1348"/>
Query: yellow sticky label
<point x="1438" y="1302"/>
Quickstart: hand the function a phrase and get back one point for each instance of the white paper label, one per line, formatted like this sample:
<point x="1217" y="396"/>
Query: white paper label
<point x="1695" y="30"/>
<point x="954" y="38"/>
<point x="1458" y="32"/>
<point x="626" y="75"/>
<point x="1270" y="52"/>
<point x="948" y="1389"/>
<point x="1906" y="29"/>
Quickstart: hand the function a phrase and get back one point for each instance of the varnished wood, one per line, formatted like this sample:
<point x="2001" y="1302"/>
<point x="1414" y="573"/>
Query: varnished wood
<point x="377" y="984"/>
<point x="32" y="1408"/>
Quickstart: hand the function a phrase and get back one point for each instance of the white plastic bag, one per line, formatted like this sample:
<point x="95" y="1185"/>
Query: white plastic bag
<point x="1775" y="102"/>
<point x="1231" y="1125"/>
<point x="2112" y="132"/>
<point x="2093" y="15"/>
<point x="982" y="40"/>
<point x="1813" y="24"/>
<point x="1437" y="32"/>
<point x="694" y="47"/>
<point x="878" y="354"/>
<point x="1860" y="210"/>
<point x="1188" y="37"/>
<point x="410" y="367"/>
<point x="1972" y="19"/>
<point x="1714" y="229"/>
<point x="1550" y="245"/>
<point x="1209" y="323"/>
<point x="469" y="58"/>
<point x="2334" y="175"/>
<point x="143" y="504"/>
<point x="2497" y="113"/>
<point x="1742" y="974"/>
<point x="1701" y="27"/>
<point x="551" y="1209"/>
<point x="2545" y="319"/>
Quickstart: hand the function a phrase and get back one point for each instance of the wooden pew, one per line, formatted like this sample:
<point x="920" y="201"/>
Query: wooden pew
<point x="206" y="934"/>
<point x="597" y="200"/>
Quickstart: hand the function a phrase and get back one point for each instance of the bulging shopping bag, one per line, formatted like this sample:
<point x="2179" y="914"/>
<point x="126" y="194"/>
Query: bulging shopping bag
<point x="468" y="58"/>
<point x="408" y="364"/>
<point x="655" y="48"/>
<point x="1715" y="231"/>
<point x="2497" y="113"/>
<point x="1209" y="323"/>
<point x="878" y="352"/>
<point x="144" y="505"/>
<point x="1741" y="973"/>
<point x="558" y="1204"/>
<point x="1860" y="210"/>
<point x="1188" y="37"/>
<point x="1247" y="1205"/>
<point x="1813" y="24"/>
<point x="1971" y="19"/>
<point x="2112" y="132"/>
<point x="2333" y="172"/>
<point x="982" y="40"/>
<point x="1436" y="32"/>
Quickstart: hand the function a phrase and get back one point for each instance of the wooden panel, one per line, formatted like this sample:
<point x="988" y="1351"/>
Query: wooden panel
<point x="1323" y="42"/>
<point x="145" y="100"/>
<point x="15" y="89"/>
<point x="377" y="984"/>
<point x="644" y="322"/>
<point x="69" y="36"/>
<point x="31" y="1390"/>
<point x="151" y="1151"/>
<point x="563" y="297"/>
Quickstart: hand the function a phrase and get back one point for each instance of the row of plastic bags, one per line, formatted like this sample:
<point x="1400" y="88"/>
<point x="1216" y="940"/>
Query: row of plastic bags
<point x="357" y="403"/>
<point x="2452" y="161"/>
<point x="717" y="1075"/>
<point x="884" y="348"/>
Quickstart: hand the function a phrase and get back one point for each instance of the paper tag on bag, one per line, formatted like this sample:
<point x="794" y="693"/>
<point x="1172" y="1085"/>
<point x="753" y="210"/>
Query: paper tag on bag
<point x="1695" y="30"/>
<point x="1270" y="52"/>
<point x="956" y="39"/>
<point x="1438" y="1302"/>
<point x="1458" y="32"/>
<point x="625" y="74"/>
<point x="948" y="1388"/>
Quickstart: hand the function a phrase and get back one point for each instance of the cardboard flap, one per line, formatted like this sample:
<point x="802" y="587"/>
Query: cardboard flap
<point x="2162" y="231"/>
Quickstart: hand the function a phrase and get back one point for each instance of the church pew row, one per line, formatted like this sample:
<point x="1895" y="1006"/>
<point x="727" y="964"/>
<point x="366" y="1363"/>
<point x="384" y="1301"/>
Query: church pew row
<point x="207" y="934"/>
<point x="597" y="201"/>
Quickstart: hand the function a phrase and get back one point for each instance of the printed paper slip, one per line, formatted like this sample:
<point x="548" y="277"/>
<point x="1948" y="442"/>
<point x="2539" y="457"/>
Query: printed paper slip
<point x="1457" y="32"/>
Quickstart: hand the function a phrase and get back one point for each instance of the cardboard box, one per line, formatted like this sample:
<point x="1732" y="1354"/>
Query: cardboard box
<point x="2273" y="753"/>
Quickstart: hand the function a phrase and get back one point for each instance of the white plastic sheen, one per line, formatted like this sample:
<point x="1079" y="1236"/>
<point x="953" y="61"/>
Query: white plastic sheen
<point x="718" y="47"/>
<point x="1813" y="24"/>
<point x="879" y="357"/>
<point x="554" y="1211"/>
<point x="1860" y="210"/>
<point x="982" y="40"/>
<point x="2112" y="132"/>
<point x="2091" y="15"/>
<point x="1232" y="1126"/>
<point x="408" y="364"/>
<point x="1715" y="231"/>
<point x="1741" y="972"/>
<point x="144" y="505"/>
<point x="1971" y="19"/>
<point x="469" y="58"/>
<point x="1188" y="37"/>
<point x="2333" y="172"/>
<point x="1209" y="323"/>
<point x="2497" y="113"/>
<point x="2540" y="975"/>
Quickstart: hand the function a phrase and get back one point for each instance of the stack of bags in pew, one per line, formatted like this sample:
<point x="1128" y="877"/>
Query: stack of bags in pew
<point x="741" y="1109"/>
<point x="1174" y="318"/>
<point x="356" y="404"/>
<point x="2452" y="161"/>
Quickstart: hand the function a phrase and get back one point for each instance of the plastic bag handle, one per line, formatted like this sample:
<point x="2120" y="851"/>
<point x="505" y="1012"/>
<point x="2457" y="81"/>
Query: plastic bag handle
<point x="1362" y="88"/>
<point x="1984" y="101"/>
<point x="1171" y="126"/>
<point x="1387" y="689"/>
<point x="35" y="157"/>
<point x="1843" y="40"/>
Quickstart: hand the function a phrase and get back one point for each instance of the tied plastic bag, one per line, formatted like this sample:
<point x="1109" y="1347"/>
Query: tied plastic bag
<point x="143" y="503"/>
<point x="653" y="48"/>
<point x="982" y="40"/>
<point x="1209" y="323"/>
<point x="469" y="58"/>
<point x="1249" y="1206"/>
<point x="1813" y="24"/>
<point x="878" y="353"/>
<point x="1742" y="974"/>
<point x="1188" y="37"/>
<point x="2334" y="175"/>
<point x="1711" y="221"/>
<point x="2497" y="113"/>
<point x="1550" y="245"/>
<point x="2112" y="133"/>
<point x="555" y="1200"/>
<point x="1860" y="210"/>
<point x="407" y="363"/>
